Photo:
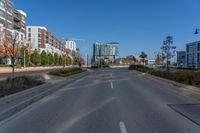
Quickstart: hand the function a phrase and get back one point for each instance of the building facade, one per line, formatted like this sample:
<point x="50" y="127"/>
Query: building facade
<point x="71" y="45"/>
<point x="41" y="39"/>
<point x="106" y="52"/>
<point x="181" y="59"/>
<point x="12" y="20"/>
<point x="193" y="55"/>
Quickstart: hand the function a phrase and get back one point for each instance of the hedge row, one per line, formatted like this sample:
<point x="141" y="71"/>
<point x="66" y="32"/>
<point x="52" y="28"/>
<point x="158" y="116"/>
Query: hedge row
<point x="64" y="72"/>
<point x="182" y="76"/>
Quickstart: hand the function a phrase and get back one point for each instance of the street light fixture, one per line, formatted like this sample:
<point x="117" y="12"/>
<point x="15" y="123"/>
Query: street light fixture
<point x="196" y="31"/>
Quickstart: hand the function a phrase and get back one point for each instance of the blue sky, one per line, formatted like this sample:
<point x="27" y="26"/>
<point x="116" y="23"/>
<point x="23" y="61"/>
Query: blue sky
<point x="138" y="25"/>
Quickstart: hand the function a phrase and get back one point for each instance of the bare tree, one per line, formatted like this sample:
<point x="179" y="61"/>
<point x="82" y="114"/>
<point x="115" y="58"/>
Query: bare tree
<point x="168" y="51"/>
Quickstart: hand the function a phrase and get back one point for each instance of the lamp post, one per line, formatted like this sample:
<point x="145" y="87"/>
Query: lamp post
<point x="26" y="45"/>
<point x="196" y="31"/>
<point x="193" y="64"/>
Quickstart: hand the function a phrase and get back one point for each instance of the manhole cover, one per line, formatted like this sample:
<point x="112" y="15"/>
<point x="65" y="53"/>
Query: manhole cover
<point x="190" y="111"/>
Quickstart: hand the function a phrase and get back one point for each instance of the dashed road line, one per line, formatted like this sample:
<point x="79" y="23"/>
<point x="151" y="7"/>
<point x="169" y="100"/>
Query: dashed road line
<point x="122" y="127"/>
<point x="111" y="84"/>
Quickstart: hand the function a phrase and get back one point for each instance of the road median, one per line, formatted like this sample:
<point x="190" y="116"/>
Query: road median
<point x="14" y="103"/>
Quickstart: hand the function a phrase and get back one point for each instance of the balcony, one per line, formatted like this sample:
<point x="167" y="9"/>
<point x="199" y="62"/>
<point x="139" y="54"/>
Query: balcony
<point x="16" y="26"/>
<point x="16" y="18"/>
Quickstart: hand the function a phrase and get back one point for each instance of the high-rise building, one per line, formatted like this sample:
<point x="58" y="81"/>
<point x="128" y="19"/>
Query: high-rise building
<point x="12" y="19"/>
<point x="107" y="52"/>
<point x="193" y="54"/>
<point x="41" y="39"/>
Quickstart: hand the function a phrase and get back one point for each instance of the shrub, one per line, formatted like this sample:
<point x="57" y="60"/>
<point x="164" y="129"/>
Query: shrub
<point x="183" y="76"/>
<point x="196" y="78"/>
<point x="65" y="71"/>
<point x="10" y="86"/>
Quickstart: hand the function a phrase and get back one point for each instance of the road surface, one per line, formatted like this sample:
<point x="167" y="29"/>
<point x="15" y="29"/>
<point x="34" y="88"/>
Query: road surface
<point x="109" y="101"/>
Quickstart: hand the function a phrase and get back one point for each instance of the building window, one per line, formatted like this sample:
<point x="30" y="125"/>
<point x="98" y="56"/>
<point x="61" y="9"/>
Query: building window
<point x="23" y="18"/>
<point x="2" y="13"/>
<point x="2" y="22"/>
<point x="9" y="8"/>
<point x="2" y="4"/>
<point x="10" y="26"/>
<point x="10" y="18"/>
<point x="29" y="29"/>
<point x="198" y="46"/>
<point x="29" y="35"/>
<point x="192" y="48"/>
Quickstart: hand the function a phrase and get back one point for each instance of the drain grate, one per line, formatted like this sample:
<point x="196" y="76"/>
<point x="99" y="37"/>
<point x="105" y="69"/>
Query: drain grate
<point x="189" y="111"/>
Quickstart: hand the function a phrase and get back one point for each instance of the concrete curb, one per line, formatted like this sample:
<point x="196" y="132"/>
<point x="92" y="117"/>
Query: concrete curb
<point x="36" y="97"/>
<point x="191" y="91"/>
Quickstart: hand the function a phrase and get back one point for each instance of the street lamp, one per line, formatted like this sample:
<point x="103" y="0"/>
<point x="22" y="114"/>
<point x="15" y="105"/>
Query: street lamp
<point x="196" y="31"/>
<point x="26" y="45"/>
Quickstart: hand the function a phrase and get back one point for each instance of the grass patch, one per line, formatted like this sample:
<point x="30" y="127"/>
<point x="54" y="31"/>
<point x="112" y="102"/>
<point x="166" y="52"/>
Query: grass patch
<point x="64" y="72"/>
<point x="10" y="86"/>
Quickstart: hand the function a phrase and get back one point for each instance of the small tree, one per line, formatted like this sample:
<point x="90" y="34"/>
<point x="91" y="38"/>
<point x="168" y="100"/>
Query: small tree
<point x="76" y="61"/>
<point x="143" y="57"/>
<point x="35" y="58"/>
<point x="158" y="59"/>
<point x="56" y="59"/>
<point x="44" y="58"/>
<point x="168" y="51"/>
<point x="51" y="59"/>
<point x="60" y="60"/>
<point x="68" y="60"/>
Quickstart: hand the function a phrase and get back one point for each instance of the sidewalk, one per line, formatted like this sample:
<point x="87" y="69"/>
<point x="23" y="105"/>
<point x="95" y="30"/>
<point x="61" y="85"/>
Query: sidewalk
<point x="9" y="69"/>
<point x="14" y="103"/>
<point x="186" y="90"/>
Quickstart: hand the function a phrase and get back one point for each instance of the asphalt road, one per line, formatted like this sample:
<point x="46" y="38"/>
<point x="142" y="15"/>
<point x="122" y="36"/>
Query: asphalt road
<point x="109" y="101"/>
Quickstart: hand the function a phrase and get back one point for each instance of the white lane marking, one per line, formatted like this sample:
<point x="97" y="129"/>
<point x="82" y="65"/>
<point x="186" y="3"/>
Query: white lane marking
<point x="111" y="84"/>
<point x="122" y="127"/>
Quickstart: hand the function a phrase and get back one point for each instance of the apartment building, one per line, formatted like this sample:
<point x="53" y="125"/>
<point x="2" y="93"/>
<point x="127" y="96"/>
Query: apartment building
<point x="193" y="55"/>
<point x="12" y="20"/>
<point x="40" y="38"/>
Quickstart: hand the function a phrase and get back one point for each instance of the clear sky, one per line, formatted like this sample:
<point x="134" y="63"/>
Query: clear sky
<point x="138" y="25"/>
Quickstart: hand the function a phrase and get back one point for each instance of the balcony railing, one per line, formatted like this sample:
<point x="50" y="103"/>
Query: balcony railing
<point x="16" y="17"/>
